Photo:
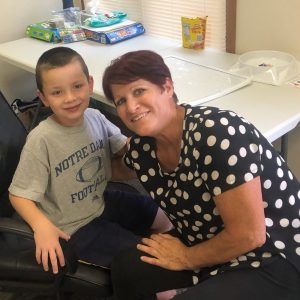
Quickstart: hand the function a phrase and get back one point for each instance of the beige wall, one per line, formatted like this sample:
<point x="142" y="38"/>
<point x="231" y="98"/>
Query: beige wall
<point x="14" y="18"/>
<point x="77" y="3"/>
<point x="272" y="24"/>
<point x="268" y="24"/>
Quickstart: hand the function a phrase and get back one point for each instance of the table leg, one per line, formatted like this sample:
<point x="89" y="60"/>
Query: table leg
<point x="284" y="146"/>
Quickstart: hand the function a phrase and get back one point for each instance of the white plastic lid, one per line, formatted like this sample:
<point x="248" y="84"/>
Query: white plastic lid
<point x="267" y="66"/>
<point x="196" y="84"/>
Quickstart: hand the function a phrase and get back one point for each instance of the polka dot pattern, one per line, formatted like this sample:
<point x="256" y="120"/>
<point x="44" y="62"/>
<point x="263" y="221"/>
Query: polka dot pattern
<point x="220" y="151"/>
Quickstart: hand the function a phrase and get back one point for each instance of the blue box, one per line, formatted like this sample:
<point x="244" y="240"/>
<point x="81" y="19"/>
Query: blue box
<point x="115" y="35"/>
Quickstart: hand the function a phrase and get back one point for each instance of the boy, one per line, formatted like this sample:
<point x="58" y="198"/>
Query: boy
<point x="58" y="187"/>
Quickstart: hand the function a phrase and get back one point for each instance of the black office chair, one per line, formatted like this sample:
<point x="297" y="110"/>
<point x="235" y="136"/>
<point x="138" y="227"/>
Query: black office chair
<point x="19" y="271"/>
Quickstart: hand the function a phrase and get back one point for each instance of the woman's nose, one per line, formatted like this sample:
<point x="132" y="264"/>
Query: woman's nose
<point x="131" y="105"/>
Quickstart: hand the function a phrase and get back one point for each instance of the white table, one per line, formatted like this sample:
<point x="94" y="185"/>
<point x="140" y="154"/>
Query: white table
<point x="274" y="110"/>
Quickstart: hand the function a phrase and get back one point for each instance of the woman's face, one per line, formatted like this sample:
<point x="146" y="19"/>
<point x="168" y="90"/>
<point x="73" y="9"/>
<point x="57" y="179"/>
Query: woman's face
<point x="144" y="107"/>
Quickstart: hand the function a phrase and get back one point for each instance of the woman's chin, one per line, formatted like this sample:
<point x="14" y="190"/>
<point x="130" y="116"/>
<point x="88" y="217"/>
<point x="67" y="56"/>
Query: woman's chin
<point x="141" y="131"/>
<point x="142" y="128"/>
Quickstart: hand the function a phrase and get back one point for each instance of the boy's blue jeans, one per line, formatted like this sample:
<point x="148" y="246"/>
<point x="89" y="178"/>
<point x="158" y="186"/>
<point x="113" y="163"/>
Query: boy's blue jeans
<point x="126" y="218"/>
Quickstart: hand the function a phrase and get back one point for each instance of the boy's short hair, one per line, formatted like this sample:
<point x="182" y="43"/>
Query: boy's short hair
<point x="54" y="58"/>
<point x="135" y="65"/>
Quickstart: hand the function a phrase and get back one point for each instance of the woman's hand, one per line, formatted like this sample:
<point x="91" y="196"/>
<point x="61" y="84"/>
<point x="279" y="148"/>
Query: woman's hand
<point x="48" y="247"/>
<point x="166" y="251"/>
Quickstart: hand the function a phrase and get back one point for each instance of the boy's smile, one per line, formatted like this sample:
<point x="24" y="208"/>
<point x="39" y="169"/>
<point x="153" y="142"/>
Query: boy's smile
<point x="66" y="90"/>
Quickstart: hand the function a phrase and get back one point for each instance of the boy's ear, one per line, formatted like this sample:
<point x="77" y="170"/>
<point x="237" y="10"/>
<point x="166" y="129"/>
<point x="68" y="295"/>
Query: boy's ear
<point x="42" y="97"/>
<point x="91" y="84"/>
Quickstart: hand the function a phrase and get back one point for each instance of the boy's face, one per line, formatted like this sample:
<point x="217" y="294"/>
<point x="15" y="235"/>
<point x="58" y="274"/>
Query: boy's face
<point x="67" y="91"/>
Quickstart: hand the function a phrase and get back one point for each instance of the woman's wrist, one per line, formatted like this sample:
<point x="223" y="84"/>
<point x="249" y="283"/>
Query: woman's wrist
<point x="189" y="259"/>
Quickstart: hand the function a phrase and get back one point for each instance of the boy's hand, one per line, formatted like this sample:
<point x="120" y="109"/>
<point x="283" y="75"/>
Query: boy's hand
<point x="48" y="246"/>
<point x="46" y="234"/>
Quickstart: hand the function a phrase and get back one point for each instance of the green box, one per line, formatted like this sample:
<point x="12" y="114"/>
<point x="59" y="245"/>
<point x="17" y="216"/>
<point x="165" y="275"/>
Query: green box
<point x="43" y="31"/>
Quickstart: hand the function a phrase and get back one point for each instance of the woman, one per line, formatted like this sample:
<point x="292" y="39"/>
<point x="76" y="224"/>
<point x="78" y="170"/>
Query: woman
<point x="232" y="200"/>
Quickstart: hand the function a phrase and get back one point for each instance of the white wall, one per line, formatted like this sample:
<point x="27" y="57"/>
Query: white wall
<point x="272" y="25"/>
<point x="15" y="15"/>
<point x="268" y="24"/>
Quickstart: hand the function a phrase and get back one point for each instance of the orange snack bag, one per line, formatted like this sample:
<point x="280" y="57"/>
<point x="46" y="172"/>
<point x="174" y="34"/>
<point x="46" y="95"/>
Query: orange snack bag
<point x="193" y="32"/>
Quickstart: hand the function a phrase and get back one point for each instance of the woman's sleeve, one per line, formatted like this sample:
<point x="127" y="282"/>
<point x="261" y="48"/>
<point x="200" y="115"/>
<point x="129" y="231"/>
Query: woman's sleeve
<point x="231" y="153"/>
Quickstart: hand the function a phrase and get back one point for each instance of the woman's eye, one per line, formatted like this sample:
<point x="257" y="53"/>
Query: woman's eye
<point x="120" y="101"/>
<point x="138" y="91"/>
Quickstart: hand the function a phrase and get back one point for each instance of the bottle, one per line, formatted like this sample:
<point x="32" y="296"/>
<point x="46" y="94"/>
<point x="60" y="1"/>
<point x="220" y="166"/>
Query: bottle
<point x="68" y="3"/>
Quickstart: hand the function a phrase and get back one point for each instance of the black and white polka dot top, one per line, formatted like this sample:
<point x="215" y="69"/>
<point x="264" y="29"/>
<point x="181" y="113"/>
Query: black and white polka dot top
<point x="219" y="151"/>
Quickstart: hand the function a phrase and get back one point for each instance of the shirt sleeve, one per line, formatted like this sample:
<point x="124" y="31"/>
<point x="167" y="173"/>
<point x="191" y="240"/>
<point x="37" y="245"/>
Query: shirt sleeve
<point x="31" y="176"/>
<point x="128" y="159"/>
<point x="230" y="155"/>
<point x="116" y="139"/>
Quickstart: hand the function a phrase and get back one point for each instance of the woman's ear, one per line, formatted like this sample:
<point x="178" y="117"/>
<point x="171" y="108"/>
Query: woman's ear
<point x="169" y="87"/>
<point x="43" y="98"/>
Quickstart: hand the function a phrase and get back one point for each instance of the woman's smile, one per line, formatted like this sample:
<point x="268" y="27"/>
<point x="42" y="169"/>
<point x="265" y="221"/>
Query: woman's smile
<point x="139" y="117"/>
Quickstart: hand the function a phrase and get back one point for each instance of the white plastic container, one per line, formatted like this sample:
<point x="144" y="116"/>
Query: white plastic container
<point x="267" y="66"/>
<point x="196" y="84"/>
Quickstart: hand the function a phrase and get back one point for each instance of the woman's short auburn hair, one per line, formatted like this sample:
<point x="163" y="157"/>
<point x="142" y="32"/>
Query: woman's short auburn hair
<point x="135" y="65"/>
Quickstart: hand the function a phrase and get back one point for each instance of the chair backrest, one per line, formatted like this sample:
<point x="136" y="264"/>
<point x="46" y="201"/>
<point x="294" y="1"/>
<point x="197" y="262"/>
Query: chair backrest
<point x="12" y="139"/>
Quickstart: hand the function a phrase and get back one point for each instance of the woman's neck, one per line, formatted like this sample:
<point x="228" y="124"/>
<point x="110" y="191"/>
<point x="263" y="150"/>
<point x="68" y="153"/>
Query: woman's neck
<point x="173" y="132"/>
<point x="168" y="143"/>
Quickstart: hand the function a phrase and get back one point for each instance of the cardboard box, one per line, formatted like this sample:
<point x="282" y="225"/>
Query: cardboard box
<point x="45" y="32"/>
<point x="42" y="31"/>
<point x="115" y="33"/>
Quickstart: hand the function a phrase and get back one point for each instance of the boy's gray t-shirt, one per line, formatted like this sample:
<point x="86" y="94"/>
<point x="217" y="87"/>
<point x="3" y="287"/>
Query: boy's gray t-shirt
<point x="65" y="169"/>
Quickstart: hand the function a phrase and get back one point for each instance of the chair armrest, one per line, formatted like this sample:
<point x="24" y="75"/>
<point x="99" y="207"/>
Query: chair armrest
<point x="15" y="226"/>
<point x="20" y="228"/>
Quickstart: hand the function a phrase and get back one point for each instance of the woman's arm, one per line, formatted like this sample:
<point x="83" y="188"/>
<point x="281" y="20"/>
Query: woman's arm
<point x="120" y="171"/>
<point x="242" y="212"/>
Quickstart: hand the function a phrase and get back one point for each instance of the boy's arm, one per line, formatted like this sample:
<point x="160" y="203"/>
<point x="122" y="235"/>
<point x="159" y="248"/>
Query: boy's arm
<point x="119" y="170"/>
<point x="46" y="234"/>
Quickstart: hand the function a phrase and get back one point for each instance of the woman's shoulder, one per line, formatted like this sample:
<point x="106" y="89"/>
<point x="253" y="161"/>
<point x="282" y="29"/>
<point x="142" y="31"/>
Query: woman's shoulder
<point x="204" y="111"/>
<point x="141" y="143"/>
<point x="213" y="115"/>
